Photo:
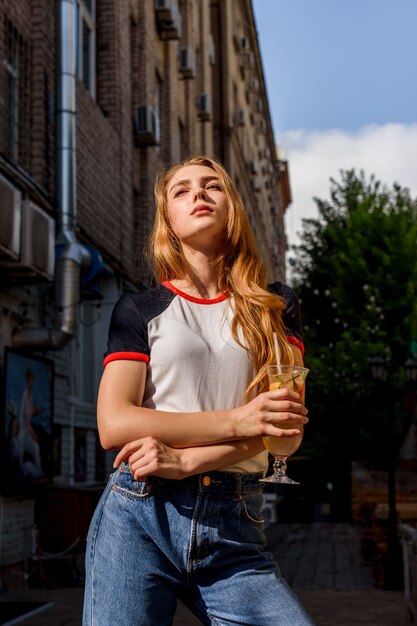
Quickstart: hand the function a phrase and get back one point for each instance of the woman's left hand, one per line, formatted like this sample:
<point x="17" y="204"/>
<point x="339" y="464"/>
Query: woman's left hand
<point x="151" y="457"/>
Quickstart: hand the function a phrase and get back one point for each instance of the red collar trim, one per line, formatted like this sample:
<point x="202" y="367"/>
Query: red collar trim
<point x="182" y="294"/>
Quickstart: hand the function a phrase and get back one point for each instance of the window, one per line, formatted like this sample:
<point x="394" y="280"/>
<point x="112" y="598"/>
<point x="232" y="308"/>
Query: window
<point x="87" y="44"/>
<point x="16" y="81"/>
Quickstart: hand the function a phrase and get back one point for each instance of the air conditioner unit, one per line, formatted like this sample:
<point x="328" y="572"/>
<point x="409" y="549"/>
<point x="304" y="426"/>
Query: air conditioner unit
<point x="260" y="123"/>
<point x="244" y="44"/>
<point x="146" y="126"/>
<point x="163" y="10"/>
<point x="168" y="19"/>
<point x="259" y="105"/>
<point x="251" y="59"/>
<point x="38" y="241"/>
<point x="173" y="29"/>
<point x="247" y="59"/>
<point x="10" y="220"/>
<point x="241" y="117"/>
<point x="187" y="62"/>
<point x="204" y="107"/>
<point x="256" y="184"/>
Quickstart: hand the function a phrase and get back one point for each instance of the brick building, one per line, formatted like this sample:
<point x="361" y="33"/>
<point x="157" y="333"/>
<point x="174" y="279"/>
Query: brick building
<point x="96" y="97"/>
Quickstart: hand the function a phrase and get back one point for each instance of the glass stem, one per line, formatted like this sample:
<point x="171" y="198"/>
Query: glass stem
<point x="280" y="466"/>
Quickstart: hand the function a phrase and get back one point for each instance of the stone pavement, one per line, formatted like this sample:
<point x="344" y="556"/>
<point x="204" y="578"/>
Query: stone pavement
<point x="319" y="556"/>
<point x="320" y="561"/>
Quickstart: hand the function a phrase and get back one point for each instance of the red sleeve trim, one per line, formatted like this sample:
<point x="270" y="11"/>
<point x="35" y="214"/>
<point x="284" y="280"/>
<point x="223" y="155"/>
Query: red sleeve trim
<point x="125" y="356"/>
<point x="297" y="342"/>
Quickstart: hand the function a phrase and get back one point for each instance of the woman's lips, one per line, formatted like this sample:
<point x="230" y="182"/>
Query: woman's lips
<point x="202" y="208"/>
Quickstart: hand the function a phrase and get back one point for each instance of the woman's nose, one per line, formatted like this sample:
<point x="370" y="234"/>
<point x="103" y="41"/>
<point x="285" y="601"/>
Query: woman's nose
<point x="200" y="192"/>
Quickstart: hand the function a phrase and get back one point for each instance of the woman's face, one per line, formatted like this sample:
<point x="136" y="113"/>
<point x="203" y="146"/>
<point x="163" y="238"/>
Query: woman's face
<point x="197" y="206"/>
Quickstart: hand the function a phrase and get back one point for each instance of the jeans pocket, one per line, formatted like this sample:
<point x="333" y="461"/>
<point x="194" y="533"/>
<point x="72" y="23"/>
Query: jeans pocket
<point x="252" y="505"/>
<point x="98" y="513"/>
<point x="126" y="486"/>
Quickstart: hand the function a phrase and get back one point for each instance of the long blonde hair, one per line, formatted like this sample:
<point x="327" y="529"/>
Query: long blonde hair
<point x="241" y="272"/>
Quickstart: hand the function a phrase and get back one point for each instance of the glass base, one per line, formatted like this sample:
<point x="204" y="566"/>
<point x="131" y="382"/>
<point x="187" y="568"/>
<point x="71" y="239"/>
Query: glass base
<point x="279" y="477"/>
<point x="279" y="480"/>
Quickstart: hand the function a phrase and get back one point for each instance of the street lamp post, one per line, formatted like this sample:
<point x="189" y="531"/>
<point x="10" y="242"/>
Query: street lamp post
<point x="378" y="368"/>
<point x="410" y="367"/>
<point x="410" y="404"/>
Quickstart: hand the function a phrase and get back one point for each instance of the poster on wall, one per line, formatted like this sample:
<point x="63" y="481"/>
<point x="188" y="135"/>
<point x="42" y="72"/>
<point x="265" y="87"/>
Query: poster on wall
<point x="27" y="411"/>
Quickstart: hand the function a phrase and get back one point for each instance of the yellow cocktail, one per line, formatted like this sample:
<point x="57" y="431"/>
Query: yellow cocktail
<point x="284" y="377"/>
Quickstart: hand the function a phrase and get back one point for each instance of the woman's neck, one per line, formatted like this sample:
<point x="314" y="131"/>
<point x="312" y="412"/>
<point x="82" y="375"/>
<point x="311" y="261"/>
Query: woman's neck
<point x="201" y="279"/>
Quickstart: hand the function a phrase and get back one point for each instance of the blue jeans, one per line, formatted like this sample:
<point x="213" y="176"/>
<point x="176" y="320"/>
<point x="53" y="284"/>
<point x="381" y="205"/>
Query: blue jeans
<point x="199" y="539"/>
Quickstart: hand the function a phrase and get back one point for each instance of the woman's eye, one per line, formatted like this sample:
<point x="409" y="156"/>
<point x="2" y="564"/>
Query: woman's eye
<point x="215" y="186"/>
<point x="179" y="192"/>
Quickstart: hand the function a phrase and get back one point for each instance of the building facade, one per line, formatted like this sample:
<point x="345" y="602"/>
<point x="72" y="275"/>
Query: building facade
<point x="96" y="97"/>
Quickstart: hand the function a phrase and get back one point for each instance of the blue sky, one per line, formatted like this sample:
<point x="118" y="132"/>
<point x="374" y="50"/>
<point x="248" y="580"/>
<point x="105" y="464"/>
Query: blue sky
<point x="342" y="85"/>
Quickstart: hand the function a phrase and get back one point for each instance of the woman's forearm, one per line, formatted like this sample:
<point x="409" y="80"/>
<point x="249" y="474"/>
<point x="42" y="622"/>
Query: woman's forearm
<point x="175" y="429"/>
<point x="213" y="457"/>
<point x="122" y="419"/>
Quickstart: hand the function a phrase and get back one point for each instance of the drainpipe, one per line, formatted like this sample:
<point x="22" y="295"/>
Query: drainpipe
<point x="73" y="257"/>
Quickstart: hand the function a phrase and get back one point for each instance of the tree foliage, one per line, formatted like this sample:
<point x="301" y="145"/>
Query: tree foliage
<point x="355" y="273"/>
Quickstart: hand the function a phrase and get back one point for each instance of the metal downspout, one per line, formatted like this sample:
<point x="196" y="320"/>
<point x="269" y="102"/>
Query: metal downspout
<point x="73" y="256"/>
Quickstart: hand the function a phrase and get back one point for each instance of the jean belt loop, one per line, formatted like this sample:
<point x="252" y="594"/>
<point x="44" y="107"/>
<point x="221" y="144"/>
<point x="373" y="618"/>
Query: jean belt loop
<point x="238" y="484"/>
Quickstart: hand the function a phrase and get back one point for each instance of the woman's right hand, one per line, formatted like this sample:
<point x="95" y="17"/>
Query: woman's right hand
<point x="278" y="413"/>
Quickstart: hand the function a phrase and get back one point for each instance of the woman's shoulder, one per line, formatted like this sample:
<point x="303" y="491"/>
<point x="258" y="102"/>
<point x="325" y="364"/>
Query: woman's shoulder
<point x="146" y="304"/>
<point x="283" y="290"/>
<point x="292" y="314"/>
<point x="128" y="331"/>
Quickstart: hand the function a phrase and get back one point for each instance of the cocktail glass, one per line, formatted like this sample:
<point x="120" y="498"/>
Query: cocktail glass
<point x="290" y="377"/>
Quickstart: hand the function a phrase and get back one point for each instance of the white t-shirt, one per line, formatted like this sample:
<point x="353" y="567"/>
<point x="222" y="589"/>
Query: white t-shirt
<point x="193" y="362"/>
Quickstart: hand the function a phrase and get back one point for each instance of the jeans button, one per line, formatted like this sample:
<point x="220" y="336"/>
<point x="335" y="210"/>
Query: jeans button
<point x="206" y="481"/>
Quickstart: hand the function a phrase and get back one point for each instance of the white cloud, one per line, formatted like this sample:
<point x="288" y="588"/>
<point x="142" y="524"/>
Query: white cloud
<point x="389" y="152"/>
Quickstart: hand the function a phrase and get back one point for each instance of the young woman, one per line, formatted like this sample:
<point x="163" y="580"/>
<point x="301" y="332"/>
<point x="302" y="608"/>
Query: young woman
<point x="184" y="396"/>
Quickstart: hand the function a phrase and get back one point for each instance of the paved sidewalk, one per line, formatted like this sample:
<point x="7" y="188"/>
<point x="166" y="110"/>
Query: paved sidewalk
<point x="319" y="556"/>
<point x="320" y="561"/>
<point x="323" y="565"/>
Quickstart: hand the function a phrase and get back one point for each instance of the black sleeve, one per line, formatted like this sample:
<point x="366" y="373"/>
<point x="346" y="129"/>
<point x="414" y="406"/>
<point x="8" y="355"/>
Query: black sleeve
<point x="128" y="333"/>
<point x="292" y="314"/>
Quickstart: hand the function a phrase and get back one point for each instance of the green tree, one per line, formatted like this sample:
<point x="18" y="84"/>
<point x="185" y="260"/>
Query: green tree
<point x="355" y="273"/>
